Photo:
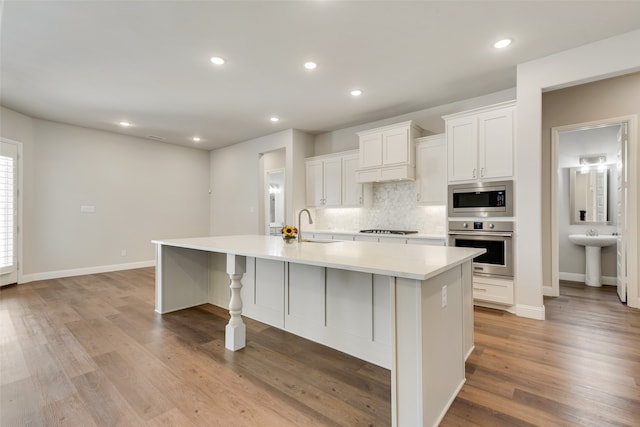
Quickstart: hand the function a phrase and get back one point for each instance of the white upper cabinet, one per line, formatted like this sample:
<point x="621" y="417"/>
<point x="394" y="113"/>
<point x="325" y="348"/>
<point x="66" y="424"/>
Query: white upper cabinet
<point x="495" y="143"/>
<point x="371" y="150"/>
<point x="331" y="181"/>
<point x="431" y="170"/>
<point x="324" y="182"/>
<point x="480" y="143"/>
<point x="462" y="141"/>
<point x="354" y="193"/>
<point x="387" y="153"/>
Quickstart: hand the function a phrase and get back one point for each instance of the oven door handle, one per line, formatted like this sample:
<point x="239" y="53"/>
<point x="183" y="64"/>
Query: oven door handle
<point x="480" y="233"/>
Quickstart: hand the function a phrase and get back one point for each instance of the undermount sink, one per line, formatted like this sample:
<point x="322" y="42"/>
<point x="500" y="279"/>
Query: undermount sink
<point x="598" y="241"/>
<point x="592" y="248"/>
<point x="319" y="241"/>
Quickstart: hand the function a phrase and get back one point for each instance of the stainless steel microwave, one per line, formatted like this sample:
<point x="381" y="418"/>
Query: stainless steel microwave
<point x="481" y="199"/>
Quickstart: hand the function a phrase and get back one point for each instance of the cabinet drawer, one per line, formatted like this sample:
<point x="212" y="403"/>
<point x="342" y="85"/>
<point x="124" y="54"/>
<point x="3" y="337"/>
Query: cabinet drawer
<point x="493" y="290"/>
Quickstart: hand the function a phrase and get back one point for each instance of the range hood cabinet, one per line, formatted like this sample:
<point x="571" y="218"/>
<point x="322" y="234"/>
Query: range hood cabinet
<point x="388" y="153"/>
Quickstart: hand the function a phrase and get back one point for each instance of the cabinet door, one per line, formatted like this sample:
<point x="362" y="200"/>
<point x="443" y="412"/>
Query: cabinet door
<point x="371" y="150"/>
<point x="365" y="238"/>
<point x="352" y="191"/>
<point x="431" y="171"/>
<point x="425" y="241"/>
<point x="496" y="144"/>
<point x="332" y="180"/>
<point x="314" y="183"/>
<point x="396" y="146"/>
<point x="462" y="149"/>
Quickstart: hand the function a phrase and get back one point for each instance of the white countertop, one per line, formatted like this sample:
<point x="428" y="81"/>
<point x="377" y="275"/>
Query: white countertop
<point x="399" y="260"/>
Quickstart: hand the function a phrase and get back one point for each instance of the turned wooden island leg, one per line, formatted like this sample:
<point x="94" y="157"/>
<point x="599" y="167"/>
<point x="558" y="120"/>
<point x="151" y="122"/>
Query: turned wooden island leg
<point x="235" y="331"/>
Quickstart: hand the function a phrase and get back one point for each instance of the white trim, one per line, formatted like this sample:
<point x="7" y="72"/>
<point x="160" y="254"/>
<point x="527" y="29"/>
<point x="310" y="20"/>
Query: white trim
<point x="577" y="277"/>
<point x="530" y="311"/>
<point x="554" y="288"/>
<point x="26" y="278"/>
<point x="633" y="164"/>
<point x="20" y="205"/>
<point x="487" y="304"/>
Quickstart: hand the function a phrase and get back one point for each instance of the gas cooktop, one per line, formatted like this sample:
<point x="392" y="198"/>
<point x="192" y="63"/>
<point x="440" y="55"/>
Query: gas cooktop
<point x="381" y="231"/>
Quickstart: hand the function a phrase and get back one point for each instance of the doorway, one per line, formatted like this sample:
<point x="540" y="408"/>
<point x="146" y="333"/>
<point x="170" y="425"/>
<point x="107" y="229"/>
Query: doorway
<point x="272" y="191"/>
<point x="589" y="196"/>
<point x="9" y="210"/>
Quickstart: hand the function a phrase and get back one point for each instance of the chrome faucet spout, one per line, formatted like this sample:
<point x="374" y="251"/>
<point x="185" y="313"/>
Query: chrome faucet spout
<point x="300" y="222"/>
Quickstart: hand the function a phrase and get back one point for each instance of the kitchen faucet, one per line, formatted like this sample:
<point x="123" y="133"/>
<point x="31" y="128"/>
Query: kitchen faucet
<point x="300" y="222"/>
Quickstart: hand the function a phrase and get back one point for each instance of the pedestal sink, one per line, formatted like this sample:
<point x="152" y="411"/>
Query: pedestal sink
<point x="592" y="248"/>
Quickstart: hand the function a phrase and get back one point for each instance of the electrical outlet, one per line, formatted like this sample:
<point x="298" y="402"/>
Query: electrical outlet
<point x="444" y="296"/>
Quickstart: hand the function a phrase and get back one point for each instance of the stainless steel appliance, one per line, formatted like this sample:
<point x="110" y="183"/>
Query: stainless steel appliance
<point x="495" y="237"/>
<point x="481" y="199"/>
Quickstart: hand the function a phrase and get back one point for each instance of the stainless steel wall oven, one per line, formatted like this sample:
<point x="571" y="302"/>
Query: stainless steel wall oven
<point x="495" y="237"/>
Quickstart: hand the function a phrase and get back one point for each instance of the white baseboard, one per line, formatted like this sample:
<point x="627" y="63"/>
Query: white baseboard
<point x="530" y="311"/>
<point x="576" y="277"/>
<point x="26" y="278"/>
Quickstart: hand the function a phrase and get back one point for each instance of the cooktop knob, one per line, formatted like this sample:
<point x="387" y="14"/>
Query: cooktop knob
<point x="465" y="225"/>
<point x="491" y="226"/>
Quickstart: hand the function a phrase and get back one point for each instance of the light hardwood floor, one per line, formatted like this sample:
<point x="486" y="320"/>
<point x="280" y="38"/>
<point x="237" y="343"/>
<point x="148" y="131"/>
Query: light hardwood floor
<point x="90" y="350"/>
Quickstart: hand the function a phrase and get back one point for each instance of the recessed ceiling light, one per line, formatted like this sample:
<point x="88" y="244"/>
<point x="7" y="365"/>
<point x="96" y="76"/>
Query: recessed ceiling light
<point x="310" y="65"/>
<point x="196" y="139"/>
<point x="501" y="44"/>
<point x="274" y="119"/>
<point x="356" y="92"/>
<point x="217" y="60"/>
<point x="125" y="124"/>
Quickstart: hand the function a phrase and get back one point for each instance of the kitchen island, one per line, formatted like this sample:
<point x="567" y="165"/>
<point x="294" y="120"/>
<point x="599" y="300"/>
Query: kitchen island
<point x="404" y="307"/>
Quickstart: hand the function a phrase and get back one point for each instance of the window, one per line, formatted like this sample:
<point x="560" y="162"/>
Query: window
<point x="8" y="210"/>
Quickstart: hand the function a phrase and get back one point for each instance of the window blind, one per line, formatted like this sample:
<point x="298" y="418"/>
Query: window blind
<point x="7" y="213"/>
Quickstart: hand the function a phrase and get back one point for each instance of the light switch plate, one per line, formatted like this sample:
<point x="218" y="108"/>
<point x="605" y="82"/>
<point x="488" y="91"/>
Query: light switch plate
<point x="444" y="296"/>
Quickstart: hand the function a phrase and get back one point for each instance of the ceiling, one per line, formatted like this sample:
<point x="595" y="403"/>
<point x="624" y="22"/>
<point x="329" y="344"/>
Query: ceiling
<point x="96" y="63"/>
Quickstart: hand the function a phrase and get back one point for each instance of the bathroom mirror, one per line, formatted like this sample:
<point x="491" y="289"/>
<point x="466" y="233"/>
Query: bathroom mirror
<point x="589" y="193"/>
<point x="274" y="208"/>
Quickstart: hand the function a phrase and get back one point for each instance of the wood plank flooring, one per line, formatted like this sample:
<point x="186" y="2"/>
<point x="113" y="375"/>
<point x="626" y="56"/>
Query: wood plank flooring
<point x="90" y="351"/>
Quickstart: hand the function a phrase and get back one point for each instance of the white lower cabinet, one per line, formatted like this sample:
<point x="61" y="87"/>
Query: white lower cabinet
<point x="306" y="300"/>
<point x="263" y="291"/>
<point x="426" y="241"/>
<point x="493" y="290"/>
<point x="365" y="238"/>
<point x="324" y="236"/>
<point x="346" y="310"/>
<point x="388" y="239"/>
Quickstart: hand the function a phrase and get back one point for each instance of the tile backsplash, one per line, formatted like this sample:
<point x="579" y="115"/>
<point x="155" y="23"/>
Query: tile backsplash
<point x="394" y="207"/>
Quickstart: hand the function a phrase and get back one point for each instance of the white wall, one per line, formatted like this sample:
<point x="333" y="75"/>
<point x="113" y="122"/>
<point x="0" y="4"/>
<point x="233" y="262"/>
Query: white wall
<point x="141" y="190"/>
<point x="606" y="58"/>
<point x="236" y="179"/>
<point x="429" y="119"/>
